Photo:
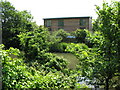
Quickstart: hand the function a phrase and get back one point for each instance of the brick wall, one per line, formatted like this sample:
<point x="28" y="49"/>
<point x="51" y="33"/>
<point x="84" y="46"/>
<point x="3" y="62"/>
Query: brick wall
<point x="70" y="24"/>
<point x="54" y="24"/>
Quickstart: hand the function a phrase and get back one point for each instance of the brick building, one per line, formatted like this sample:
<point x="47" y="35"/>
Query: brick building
<point x="68" y="23"/>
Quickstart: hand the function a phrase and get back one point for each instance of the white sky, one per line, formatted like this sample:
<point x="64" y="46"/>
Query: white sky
<point x="57" y="8"/>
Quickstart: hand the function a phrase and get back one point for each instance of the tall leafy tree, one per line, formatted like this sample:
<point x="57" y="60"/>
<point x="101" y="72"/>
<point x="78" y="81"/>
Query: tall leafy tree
<point x="109" y="25"/>
<point x="102" y="63"/>
<point x="34" y="42"/>
<point x="13" y="23"/>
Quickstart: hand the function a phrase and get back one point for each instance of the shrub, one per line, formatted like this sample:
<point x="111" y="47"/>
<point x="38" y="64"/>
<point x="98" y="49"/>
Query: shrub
<point x="58" y="47"/>
<point x="13" y="23"/>
<point x="51" y="62"/>
<point x="80" y="35"/>
<point x="16" y="74"/>
<point x="62" y="34"/>
<point x="94" y="39"/>
<point x="34" y="42"/>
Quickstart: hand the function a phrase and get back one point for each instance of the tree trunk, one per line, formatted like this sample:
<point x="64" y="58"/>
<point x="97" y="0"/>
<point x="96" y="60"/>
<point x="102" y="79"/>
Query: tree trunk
<point x="107" y="84"/>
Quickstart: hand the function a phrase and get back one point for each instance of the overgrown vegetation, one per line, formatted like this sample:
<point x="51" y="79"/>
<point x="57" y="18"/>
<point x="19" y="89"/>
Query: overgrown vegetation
<point x="101" y="62"/>
<point x="13" y="23"/>
<point x="16" y="74"/>
<point x="34" y="66"/>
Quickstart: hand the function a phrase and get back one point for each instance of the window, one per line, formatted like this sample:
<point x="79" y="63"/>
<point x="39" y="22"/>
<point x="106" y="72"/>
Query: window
<point x="61" y="23"/>
<point x="48" y="23"/>
<point x="83" y="22"/>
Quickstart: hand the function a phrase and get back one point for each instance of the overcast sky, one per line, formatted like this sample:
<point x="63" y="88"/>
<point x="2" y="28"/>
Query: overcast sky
<point x="57" y="8"/>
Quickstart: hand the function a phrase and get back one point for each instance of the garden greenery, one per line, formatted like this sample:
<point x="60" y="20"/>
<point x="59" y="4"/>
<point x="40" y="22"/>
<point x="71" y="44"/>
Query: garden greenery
<point x="28" y="61"/>
<point x="16" y="74"/>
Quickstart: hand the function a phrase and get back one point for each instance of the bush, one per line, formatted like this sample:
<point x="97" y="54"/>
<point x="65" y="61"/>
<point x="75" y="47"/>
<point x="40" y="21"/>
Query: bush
<point x="80" y="35"/>
<point x="63" y="34"/>
<point x="13" y="23"/>
<point x="50" y="62"/>
<point x="58" y="47"/>
<point x="34" y="42"/>
<point x="16" y="74"/>
<point x="73" y="48"/>
<point x="94" y="39"/>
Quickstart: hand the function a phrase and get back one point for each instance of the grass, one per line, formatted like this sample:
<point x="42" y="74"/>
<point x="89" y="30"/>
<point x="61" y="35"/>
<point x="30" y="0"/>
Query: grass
<point x="72" y="60"/>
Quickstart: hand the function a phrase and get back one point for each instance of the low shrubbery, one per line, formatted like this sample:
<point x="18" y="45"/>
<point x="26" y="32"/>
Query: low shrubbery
<point x="94" y="39"/>
<point x="49" y="62"/>
<point x="58" y="47"/>
<point x="80" y="35"/>
<point x="16" y="74"/>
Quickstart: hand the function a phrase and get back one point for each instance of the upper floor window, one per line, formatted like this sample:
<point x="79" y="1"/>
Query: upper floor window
<point x="60" y="22"/>
<point x="83" y="22"/>
<point x="48" y="23"/>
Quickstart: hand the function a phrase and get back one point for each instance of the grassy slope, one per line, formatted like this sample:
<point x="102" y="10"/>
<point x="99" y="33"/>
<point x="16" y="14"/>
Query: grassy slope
<point x="70" y="58"/>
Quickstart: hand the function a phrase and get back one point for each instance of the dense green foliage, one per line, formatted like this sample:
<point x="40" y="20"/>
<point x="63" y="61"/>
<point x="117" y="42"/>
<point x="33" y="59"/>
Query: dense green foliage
<point x="108" y="24"/>
<point x="94" y="39"/>
<point x="13" y="23"/>
<point x="71" y="59"/>
<point x="59" y="47"/>
<point x="80" y="35"/>
<point x="35" y="66"/>
<point x="34" y="42"/>
<point x="16" y="74"/>
<point x="35" y="45"/>
<point x="62" y="34"/>
<point x="101" y="62"/>
<point x="58" y="41"/>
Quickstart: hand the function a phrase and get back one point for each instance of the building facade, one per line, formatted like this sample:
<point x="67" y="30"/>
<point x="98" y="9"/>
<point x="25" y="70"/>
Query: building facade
<point x="68" y="23"/>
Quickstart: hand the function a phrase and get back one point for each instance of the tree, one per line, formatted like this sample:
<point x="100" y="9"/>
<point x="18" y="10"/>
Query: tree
<point x="34" y="42"/>
<point x="101" y="63"/>
<point x="13" y="23"/>
<point x="35" y="45"/>
<point x="109" y="24"/>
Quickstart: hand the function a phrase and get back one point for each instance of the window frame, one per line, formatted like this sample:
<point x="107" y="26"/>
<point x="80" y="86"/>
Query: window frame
<point x="83" y="22"/>
<point x="48" y="23"/>
<point x="61" y="23"/>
